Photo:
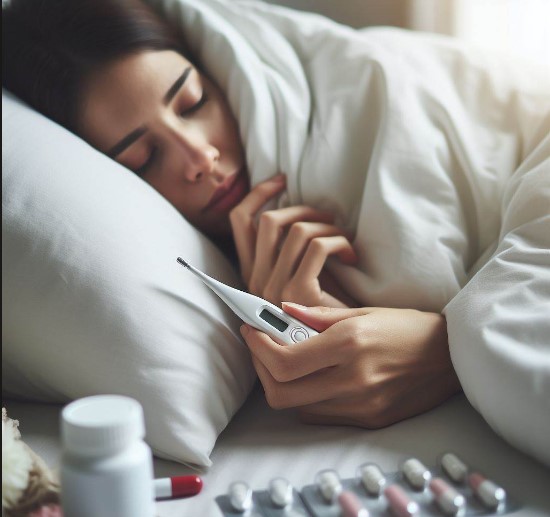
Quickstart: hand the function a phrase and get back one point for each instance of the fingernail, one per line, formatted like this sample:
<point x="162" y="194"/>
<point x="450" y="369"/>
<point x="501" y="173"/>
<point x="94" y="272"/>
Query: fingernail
<point x="295" y="305"/>
<point x="280" y="177"/>
<point x="244" y="330"/>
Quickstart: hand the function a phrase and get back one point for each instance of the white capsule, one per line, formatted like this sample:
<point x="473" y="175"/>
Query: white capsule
<point x="281" y="492"/>
<point x="240" y="496"/>
<point x="416" y="473"/>
<point x="329" y="484"/>
<point x="372" y="478"/>
<point x="490" y="493"/>
<point x="454" y="467"/>
<point x="447" y="498"/>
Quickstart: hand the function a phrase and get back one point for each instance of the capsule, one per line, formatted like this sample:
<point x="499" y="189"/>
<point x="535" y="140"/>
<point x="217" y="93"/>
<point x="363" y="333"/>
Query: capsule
<point x="416" y="473"/>
<point x="351" y="505"/>
<point x="490" y="494"/>
<point x="372" y="478"/>
<point x="329" y="484"/>
<point x="281" y="492"/>
<point x="400" y="503"/>
<point x="240" y="496"/>
<point x="455" y="468"/>
<point x="447" y="498"/>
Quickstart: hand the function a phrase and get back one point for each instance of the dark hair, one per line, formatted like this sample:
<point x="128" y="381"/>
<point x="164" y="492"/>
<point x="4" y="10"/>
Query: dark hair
<point x="50" y="47"/>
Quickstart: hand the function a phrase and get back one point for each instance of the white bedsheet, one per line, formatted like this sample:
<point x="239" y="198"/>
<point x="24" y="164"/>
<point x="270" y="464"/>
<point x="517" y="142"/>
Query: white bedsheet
<point x="261" y="443"/>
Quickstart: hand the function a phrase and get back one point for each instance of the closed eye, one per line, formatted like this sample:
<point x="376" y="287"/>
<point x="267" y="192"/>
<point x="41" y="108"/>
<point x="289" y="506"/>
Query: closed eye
<point x="147" y="163"/>
<point x="202" y="101"/>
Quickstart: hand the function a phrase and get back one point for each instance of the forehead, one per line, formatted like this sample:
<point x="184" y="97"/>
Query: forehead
<point x="117" y="98"/>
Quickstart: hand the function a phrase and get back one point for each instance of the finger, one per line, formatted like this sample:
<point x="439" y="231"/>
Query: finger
<point x="300" y="236"/>
<point x="242" y="220"/>
<point x="261" y="194"/>
<point x="312" y="389"/>
<point x="287" y="363"/>
<point x="270" y="232"/>
<point x="316" y="255"/>
<point x="378" y="407"/>
<point x="321" y="318"/>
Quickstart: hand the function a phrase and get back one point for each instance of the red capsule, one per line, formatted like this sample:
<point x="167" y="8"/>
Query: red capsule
<point x="351" y="505"/>
<point x="400" y="503"/>
<point x="177" y="486"/>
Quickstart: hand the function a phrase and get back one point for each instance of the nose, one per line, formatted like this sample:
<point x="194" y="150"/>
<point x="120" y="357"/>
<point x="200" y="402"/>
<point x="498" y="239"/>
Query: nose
<point x="193" y="153"/>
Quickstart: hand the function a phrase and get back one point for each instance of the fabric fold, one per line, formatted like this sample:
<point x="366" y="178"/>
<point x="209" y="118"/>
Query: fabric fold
<point x="420" y="145"/>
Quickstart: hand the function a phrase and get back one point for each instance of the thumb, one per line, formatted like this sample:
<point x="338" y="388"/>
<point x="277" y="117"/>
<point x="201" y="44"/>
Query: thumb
<point x="321" y="318"/>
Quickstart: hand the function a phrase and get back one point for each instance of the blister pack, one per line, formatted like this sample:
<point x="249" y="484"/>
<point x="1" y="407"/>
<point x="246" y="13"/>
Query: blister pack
<point x="448" y="488"/>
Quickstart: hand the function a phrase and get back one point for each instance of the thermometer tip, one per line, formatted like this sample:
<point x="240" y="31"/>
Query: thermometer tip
<point x="182" y="262"/>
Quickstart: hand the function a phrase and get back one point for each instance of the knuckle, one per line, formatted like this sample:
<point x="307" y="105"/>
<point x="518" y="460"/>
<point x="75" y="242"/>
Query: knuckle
<point x="274" y="398"/>
<point x="236" y="214"/>
<point x="268" y="219"/>
<point x="299" y="230"/>
<point x="318" y="245"/>
<point x="352" y="341"/>
<point x="377" y="415"/>
<point x="283" y="372"/>
<point x="364" y="381"/>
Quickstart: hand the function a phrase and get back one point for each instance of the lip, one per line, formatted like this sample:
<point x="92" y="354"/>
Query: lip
<point x="228" y="194"/>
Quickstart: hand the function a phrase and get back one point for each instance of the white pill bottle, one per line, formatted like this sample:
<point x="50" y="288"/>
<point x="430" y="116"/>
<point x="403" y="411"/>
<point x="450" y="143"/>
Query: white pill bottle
<point x="106" y="467"/>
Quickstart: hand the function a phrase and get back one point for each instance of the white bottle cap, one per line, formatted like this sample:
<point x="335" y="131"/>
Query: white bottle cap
<point x="100" y="425"/>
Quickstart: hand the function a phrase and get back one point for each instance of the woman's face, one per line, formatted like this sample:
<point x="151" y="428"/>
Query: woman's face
<point x="157" y="115"/>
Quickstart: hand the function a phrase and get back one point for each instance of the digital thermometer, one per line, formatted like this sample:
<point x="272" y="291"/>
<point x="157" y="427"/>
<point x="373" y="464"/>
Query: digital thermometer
<point x="256" y="311"/>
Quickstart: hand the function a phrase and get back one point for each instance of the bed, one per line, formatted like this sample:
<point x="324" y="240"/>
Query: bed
<point x="68" y="304"/>
<point x="261" y="443"/>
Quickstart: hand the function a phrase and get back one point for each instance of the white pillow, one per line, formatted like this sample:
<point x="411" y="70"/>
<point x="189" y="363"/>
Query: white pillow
<point x="93" y="298"/>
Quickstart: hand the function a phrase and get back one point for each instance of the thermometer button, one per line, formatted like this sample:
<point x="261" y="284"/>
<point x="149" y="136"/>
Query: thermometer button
<point x="298" y="334"/>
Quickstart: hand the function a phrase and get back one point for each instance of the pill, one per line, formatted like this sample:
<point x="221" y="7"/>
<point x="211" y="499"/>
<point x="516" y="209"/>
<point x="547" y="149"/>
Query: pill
<point x="329" y="484"/>
<point x="416" y="473"/>
<point x="281" y="492"/>
<point x="240" y="496"/>
<point x="372" y="478"/>
<point x="447" y="498"/>
<point x="351" y="505"/>
<point x="454" y="467"/>
<point x="400" y="503"/>
<point x="177" y="486"/>
<point x="491" y="494"/>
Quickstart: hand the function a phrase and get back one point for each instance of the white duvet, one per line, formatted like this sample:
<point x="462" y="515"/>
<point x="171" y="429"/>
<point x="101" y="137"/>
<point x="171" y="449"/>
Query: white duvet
<point x="435" y="156"/>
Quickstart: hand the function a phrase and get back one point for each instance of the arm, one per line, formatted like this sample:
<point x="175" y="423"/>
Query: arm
<point x="369" y="367"/>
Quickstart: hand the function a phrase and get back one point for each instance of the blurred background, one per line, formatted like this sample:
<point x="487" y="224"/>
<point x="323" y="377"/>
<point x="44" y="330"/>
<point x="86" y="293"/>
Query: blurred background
<point x="519" y="27"/>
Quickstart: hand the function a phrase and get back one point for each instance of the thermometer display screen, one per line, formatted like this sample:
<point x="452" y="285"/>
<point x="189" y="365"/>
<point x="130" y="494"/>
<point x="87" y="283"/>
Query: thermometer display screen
<point x="279" y="324"/>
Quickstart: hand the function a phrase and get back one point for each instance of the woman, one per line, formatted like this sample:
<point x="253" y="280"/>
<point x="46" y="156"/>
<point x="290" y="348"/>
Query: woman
<point x="115" y="74"/>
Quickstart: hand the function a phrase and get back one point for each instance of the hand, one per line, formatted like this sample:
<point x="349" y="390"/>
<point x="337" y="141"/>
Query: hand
<point x="369" y="367"/>
<point x="283" y="256"/>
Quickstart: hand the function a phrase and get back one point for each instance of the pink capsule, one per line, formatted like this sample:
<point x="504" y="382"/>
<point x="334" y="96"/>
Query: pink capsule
<point x="446" y="497"/>
<point x="490" y="494"/>
<point x="351" y="505"/>
<point x="400" y="503"/>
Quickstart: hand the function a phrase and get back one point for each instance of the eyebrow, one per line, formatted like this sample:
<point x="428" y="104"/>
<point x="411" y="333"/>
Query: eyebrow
<point x="130" y="138"/>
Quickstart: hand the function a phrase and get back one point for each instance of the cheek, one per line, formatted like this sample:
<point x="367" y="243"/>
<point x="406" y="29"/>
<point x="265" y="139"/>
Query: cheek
<point x="224" y="130"/>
